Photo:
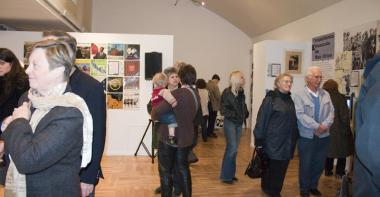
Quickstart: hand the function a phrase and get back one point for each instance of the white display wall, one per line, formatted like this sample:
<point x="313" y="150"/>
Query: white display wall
<point x="273" y="52"/>
<point x="124" y="127"/>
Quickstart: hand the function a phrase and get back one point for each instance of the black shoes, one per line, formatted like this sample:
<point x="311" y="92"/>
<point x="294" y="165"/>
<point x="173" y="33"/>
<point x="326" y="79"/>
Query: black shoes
<point x="235" y="179"/>
<point x="213" y="135"/>
<point x="315" y="192"/>
<point x="304" y="194"/>
<point x="228" y="182"/>
<point x="172" y="141"/>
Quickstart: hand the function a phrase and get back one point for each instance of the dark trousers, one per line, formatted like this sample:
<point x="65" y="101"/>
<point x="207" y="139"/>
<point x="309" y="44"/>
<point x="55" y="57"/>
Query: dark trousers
<point x="211" y="121"/>
<point x="204" y="128"/>
<point x="312" y="154"/>
<point x="340" y="166"/>
<point x="169" y="158"/>
<point x="273" y="179"/>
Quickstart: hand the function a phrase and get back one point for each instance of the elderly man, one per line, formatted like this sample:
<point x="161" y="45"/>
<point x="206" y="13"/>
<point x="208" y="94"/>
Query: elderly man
<point x="315" y="114"/>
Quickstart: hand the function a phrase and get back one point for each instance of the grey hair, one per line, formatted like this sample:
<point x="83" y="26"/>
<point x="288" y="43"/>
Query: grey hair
<point x="309" y="71"/>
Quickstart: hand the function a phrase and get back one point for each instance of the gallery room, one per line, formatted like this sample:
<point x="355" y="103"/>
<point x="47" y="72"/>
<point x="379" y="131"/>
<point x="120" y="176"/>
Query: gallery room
<point x="290" y="86"/>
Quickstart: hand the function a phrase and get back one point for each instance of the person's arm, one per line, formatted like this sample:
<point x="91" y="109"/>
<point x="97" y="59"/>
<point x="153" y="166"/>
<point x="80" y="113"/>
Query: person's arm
<point x="97" y="106"/>
<point x="33" y="152"/>
<point x="263" y="117"/>
<point x="330" y="117"/>
<point x="160" y="109"/>
<point x="302" y="117"/>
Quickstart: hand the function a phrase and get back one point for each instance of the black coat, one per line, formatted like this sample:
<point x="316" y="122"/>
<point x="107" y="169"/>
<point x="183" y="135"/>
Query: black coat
<point x="233" y="107"/>
<point x="276" y="126"/>
<point x="93" y="94"/>
<point x="341" y="138"/>
<point x="9" y="101"/>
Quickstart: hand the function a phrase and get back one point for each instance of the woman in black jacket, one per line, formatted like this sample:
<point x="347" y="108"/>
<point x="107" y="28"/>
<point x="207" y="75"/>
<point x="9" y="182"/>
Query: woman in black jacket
<point x="276" y="134"/>
<point x="234" y="110"/>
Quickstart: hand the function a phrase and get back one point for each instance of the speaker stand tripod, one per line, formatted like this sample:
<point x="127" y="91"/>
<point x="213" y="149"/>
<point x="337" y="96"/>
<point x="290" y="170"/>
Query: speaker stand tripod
<point x="150" y="154"/>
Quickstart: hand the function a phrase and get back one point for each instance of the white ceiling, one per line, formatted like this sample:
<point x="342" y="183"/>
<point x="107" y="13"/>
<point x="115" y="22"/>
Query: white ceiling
<point x="254" y="17"/>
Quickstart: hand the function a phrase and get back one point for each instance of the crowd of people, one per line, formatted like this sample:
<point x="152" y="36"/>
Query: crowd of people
<point x="53" y="123"/>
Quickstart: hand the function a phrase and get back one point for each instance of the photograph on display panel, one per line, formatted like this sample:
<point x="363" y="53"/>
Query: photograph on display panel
<point x="116" y="51"/>
<point x="83" y="51"/>
<point x="83" y="65"/>
<point x="343" y="71"/>
<point x="131" y="68"/>
<point x="98" y="67"/>
<point x="114" y="101"/>
<point x="131" y="83"/>
<point x="131" y="99"/>
<point x="293" y="62"/>
<point x="98" y="51"/>
<point x="115" y="84"/>
<point x="133" y="51"/>
<point x="361" y="40"/>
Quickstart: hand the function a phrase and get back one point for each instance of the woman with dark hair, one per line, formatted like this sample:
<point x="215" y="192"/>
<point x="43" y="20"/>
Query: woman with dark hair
<point x="170" y="157"/>
<point x="204" y="96"/>
<point x="276" y="134"/>
<point x="13" y="82"/>
<point x="341" y="138"/>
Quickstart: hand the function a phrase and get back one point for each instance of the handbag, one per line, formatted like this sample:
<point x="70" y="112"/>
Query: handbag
<point x="254" y="169"/>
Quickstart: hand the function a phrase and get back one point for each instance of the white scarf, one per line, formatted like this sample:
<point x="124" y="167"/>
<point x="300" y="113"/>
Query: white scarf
<point x="15" y="182"/>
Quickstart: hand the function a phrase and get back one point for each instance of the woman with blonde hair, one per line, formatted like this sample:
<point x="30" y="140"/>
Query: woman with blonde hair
<point x="276" y="134"/>
<point x="234" y="110"/>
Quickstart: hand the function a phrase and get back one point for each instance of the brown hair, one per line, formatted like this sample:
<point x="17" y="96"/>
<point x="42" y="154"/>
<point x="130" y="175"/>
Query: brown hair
<point x="330" y="86"/>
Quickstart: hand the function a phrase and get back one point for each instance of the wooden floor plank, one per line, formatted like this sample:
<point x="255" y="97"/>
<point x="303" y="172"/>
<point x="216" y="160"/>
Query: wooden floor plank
<point x="137" y="176"/>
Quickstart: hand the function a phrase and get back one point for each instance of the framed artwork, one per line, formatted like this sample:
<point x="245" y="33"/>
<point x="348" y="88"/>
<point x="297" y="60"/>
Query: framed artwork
<point x="274" y="70"/>
<point x="293" y="62"/>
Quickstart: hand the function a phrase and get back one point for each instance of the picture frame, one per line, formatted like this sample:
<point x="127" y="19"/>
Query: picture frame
<point x="355" y="78"/>
<point x="293" y="62"/>
<point x="275" y="69"/>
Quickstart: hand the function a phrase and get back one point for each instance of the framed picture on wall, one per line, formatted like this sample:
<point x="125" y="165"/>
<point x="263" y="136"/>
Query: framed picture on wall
<point x="293" y="62"/>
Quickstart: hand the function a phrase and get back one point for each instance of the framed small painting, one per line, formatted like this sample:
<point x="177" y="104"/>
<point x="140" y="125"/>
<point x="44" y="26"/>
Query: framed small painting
<point x="293" y="62"/>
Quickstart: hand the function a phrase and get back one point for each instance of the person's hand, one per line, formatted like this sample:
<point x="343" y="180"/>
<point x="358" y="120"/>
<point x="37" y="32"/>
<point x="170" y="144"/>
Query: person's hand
<point x="86" y="189"/>
<point x="22" y="112"/>
<point x="6" y="122"/>
<point x="168" y="97"/>
<point x="321" y="129"/>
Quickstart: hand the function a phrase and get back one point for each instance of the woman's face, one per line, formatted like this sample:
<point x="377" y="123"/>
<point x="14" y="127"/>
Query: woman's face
<point x="285" y="84"/>
<point x="41" y="77"/>
<point x="242" y="81"/>
<point x="173" y="80"/>
<point x="5" y="67"/>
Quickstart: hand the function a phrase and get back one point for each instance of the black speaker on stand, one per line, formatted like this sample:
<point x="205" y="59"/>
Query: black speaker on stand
<point x="153" y="64"/>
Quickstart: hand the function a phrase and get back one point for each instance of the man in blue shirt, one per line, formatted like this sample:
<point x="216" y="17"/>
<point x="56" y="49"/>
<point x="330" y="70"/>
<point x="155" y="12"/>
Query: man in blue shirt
<point x="315" y="115"/>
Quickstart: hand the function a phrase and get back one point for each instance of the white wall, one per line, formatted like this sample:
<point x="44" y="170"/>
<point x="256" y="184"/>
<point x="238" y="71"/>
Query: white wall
<point x="124" y="127"/>
<point x="201" y="37"/>
<point x="270" y="52"/>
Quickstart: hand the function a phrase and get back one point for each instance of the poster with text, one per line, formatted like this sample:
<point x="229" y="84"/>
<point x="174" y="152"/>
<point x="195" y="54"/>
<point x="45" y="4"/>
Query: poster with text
<point x="323" y="47"/>
<point x="361" y="40"/>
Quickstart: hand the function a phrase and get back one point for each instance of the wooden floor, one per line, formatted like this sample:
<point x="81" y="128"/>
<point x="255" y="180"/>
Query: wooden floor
<point x="137" y="176"/>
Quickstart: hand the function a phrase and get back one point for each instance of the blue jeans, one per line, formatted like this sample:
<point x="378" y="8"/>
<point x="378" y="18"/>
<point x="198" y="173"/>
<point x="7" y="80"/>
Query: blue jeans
<point x="169" y="119"/>
<point x="232" y="133"/>
<point x="312" y="155"/>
